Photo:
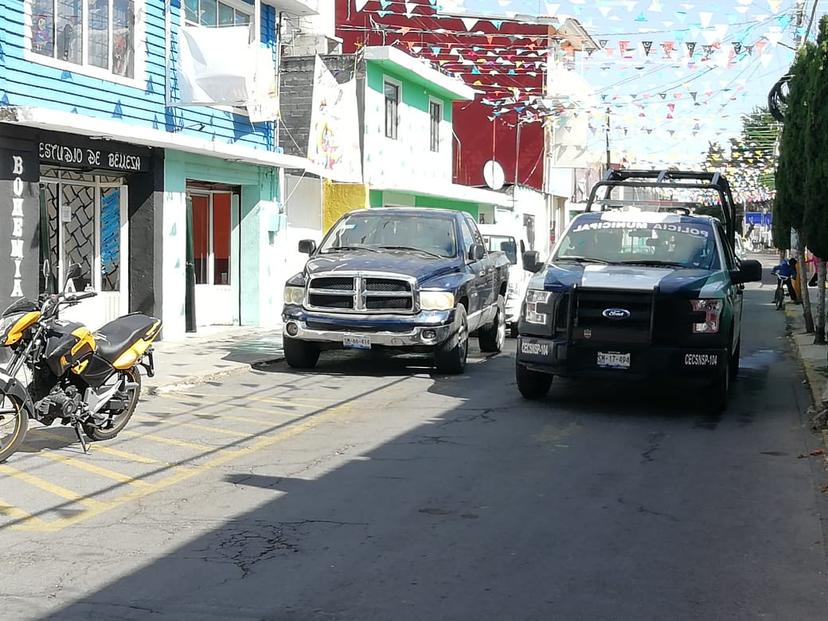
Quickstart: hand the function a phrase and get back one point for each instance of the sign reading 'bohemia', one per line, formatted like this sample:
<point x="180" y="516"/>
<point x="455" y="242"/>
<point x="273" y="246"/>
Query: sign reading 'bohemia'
<point x="92" y="158"/>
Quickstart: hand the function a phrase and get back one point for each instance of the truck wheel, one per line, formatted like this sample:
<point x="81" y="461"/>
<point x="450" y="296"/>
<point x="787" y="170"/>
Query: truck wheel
<point x="300" y="354"/>
<point x="493" y="337"/>
<point x="720" y="389"/>
<point x="734" y="362"/>
<point x="450" y="357"/>
<point x="532" y="384"/>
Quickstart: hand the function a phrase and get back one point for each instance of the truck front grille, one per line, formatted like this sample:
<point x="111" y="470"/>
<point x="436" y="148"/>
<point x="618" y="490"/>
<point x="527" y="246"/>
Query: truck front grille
<point x="591" y="324"/>
<point x="359" y="293"/>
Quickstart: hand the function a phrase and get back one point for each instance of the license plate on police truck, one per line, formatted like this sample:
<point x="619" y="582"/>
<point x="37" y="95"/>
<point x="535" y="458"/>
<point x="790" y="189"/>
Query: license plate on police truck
<point x="613" y="360"/>
<point x="356" y="342"/>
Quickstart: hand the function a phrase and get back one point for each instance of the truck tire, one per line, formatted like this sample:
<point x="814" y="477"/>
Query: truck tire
<point x="493" y="336"/>
<point x="532" y="384"/>
<point x="720" y="389"/>
<point x="450" y="357"/>
<point x="300" y="354"/>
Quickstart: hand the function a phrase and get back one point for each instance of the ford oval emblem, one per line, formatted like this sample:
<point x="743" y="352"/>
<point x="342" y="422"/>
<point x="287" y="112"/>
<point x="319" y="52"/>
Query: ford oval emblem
<point x="616" y="313"/>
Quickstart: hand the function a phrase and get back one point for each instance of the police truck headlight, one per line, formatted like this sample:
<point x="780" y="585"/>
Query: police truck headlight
<point x="436" y="300"/>
<point x="533" y="299"/>
<point x="294" y="295"/>
<point x="712" y="310"/>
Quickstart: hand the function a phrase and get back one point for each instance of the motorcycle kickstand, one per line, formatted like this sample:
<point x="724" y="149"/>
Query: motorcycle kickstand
<point x="83" y="442"/>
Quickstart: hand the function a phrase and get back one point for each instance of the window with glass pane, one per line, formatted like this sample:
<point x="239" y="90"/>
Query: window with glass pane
<point x="77" y="216"/>
<point x="201" y="238"/>
<point x="221" y="239"/>
<point x="208" y="13"/>
<point x="110" y="239"/>
<point x="109" y="36"/>
<point x="123" y="37"/>
<point x="226" y="15"/>
<point x="69" y="30"/>
<point x="435" y="110"/>
<point x="242" y="19"/>
<point x="392" y="101"/>
<point x="191" y="11"/>
<point x="98" y="21"/>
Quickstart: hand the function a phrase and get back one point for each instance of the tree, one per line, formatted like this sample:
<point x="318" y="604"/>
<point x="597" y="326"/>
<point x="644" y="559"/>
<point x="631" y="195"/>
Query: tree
<point x="790" y="172"/>
<point x="815" y="220"/>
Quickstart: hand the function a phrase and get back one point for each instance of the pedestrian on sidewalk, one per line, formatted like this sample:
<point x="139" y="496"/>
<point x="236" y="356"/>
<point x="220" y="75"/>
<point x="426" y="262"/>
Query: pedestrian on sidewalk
<point x="812" y="260"/>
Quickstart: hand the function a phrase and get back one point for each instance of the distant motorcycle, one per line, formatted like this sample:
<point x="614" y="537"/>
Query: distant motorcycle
<point x="89" y="381"/>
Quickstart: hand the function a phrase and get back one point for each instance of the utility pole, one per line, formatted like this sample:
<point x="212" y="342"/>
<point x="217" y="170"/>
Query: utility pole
<point x="609" y="158"/>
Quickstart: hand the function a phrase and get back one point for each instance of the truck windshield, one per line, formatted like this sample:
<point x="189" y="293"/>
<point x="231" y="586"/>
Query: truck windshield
<point x="502" y="243"/>
<point x="691" y="246"/>
<point x="431" y="235"/>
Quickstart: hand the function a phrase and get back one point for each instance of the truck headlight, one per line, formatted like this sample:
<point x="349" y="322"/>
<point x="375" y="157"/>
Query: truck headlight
<point x="712" y="310"/>
<point x="533" y="298"/>
<point x="294" y="295"/>
<point x="436" y="300"/>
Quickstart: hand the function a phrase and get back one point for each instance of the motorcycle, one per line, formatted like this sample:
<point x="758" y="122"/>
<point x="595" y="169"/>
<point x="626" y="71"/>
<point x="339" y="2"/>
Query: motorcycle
<point x="90" y="381"/>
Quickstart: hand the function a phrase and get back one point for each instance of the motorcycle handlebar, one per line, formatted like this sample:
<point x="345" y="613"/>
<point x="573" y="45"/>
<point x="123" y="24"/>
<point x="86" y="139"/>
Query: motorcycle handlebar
<point x="75" y="297"/>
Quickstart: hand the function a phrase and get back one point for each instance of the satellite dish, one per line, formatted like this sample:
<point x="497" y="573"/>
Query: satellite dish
<point x="493" y="174"/>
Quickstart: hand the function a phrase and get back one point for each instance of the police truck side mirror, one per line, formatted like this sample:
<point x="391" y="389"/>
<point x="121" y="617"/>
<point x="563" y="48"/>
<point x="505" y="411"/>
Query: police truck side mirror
<point x="749" y="271"/>
<point x="532" y="262"/>
<point x="307" y="246"/>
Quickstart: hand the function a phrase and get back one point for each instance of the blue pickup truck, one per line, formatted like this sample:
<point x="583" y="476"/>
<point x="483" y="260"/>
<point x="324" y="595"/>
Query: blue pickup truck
<point x="419" y="280"/>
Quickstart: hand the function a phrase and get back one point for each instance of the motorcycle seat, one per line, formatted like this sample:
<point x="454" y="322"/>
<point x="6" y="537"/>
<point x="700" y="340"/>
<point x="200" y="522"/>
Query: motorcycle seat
<point x="119" y="335"/>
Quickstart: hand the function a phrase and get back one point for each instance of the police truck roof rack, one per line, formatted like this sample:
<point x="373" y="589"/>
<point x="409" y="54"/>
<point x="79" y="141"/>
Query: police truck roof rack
<point x="675" y="179"/>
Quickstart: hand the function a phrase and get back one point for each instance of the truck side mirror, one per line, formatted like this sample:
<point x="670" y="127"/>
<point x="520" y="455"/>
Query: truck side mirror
<point x="307" y="246"/>
<point x="477" y="252"/>
<point x="532" y="262"/>
<point x="749" y="271"/>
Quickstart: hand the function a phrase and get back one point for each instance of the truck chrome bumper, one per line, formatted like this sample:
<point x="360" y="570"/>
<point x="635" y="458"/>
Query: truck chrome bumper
<point x="417" y="336"/>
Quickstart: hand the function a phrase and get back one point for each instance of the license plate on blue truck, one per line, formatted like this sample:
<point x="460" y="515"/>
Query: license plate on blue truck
<point x="356" y="342"/>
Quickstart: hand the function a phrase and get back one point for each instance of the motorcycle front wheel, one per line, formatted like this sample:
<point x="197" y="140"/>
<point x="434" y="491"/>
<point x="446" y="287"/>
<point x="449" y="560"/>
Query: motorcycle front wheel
<point x="117" y="422"/>
<point x="14" y="422"/>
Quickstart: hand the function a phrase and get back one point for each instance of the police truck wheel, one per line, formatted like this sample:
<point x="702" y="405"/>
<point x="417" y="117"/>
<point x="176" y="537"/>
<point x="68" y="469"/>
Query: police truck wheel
<point x="300" y="354"/>
<point x="720" y="389"/>
<point x="450" y="357"/>
<point x="532" y="384"/>
<point x="493" y="337"/>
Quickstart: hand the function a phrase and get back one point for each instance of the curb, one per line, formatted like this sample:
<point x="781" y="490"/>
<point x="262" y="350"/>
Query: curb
<point x="196" y="380"/>
<point x="813" y="378"/>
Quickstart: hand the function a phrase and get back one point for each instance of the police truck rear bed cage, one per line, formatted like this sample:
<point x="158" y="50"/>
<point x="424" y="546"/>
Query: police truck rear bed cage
<point x="665" y="180"/>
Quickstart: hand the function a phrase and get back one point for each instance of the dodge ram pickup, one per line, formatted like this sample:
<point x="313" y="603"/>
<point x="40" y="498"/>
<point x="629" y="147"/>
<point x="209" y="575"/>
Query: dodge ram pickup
<point x="410" y="279"/>
<point x="638" y="293"/>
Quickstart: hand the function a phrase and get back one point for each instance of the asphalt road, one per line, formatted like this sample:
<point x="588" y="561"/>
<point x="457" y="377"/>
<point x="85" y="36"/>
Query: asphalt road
<point x="371" y="489"/>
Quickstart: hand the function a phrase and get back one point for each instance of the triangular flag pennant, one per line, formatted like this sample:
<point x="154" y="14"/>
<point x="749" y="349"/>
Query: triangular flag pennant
<point x="360" y="4"/>
<point x="737" y="47"/>
<point x="603" y="43"/>
<point x="648" y="45"/>
<point x="469" y="22"/>
<point x="691" y="48"/>
<point x="694" y="94"/>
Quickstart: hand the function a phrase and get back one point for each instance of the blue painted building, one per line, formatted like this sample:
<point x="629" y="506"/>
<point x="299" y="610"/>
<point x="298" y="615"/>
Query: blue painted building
<point x="170" y="209"/>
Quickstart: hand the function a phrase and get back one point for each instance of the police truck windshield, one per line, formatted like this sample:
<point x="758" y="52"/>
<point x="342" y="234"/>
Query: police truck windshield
<point x="668" y="244"/>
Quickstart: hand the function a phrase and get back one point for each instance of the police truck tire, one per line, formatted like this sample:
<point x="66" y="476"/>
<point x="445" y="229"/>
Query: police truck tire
<point x="720" y="389"/>
<point x="532" y="384"/>
<point x="450" y="357"/>
<point x="493" y="336"/>
<point x="300" y="354"/>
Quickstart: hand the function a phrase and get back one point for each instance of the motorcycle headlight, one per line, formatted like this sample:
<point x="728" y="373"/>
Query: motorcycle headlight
<point x="294" y="295"/>
<point x="436" y="300"/>
<point x="533" y="299"/>
<point x="712" y="310"/>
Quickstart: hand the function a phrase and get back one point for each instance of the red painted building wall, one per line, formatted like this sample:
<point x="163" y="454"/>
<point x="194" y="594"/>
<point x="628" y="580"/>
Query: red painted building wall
<point x="507" y="66"/>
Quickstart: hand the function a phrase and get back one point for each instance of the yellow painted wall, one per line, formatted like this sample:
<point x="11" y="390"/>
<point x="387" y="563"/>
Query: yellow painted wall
<point x="340" y="198"/>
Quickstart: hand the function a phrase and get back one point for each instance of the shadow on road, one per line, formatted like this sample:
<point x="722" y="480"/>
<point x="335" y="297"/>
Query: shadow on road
<point x="601" y="502"/>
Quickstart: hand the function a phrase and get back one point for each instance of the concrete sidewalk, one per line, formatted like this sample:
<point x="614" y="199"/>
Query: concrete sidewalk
<point x="814" y="359"/>
<point x="211" y="355"/>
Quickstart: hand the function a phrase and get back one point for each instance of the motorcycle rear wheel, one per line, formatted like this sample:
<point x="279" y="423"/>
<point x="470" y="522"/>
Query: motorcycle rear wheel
<point x="118" y="421"/>
<point x="12" y="432"/>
